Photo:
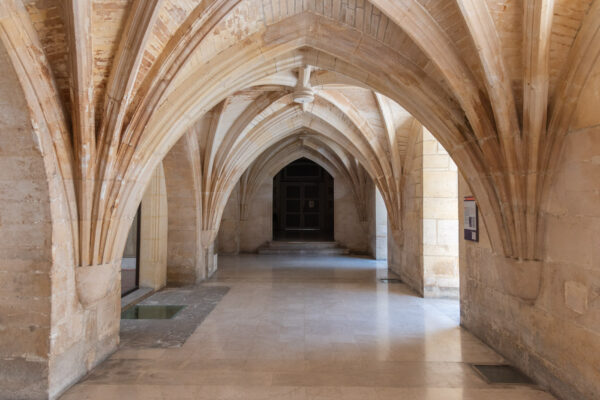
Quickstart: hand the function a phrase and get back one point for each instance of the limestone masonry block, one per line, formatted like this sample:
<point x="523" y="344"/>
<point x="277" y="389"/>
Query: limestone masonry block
<point x="576" y="296"/>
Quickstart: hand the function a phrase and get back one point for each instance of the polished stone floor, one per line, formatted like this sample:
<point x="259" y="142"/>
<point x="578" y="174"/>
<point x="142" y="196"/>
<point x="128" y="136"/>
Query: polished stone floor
<point x="309" y="328"/>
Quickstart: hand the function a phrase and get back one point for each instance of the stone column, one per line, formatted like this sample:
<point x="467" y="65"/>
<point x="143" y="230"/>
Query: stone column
<point x="207" y="238"/>
<point x="440" y="221"/>
<point x="153" y="233"/>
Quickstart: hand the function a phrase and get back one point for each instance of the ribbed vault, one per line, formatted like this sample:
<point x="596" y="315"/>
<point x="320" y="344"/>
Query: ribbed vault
<point x="255" y="128"/>
<point x="112" y="88"/>
<point x="115" y="105"/>
<point x="336" y="162"/>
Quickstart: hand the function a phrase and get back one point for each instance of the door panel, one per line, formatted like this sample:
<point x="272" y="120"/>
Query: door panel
<point x="303" y="202"/>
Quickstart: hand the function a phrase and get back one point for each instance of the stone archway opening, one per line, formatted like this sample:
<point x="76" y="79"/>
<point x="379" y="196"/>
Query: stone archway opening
<point x="144" y="262"/>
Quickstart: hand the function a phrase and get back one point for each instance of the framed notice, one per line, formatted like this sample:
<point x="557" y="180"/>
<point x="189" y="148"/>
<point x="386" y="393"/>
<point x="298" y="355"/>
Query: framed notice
<point x="471" y="219"/>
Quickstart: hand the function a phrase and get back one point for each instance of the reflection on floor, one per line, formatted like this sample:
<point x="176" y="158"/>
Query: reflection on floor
<point x="310" y="328"/>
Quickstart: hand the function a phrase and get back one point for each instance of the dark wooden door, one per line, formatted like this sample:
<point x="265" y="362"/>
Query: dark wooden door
<point x="302" y="207"/>
<point x="303" y="202"/>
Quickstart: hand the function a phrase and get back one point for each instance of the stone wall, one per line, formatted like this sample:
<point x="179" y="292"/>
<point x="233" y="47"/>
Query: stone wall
<point x="257" y="229"/>
<point x="50" y="338"/>
<point x="371" y="216"/>
<point x="184" y="258"/>
<point x="427" y="256"/>
<point x="247" y="235"/>
<point x="556" y="338"/>
<point x="405" y="258"/>
<point x="83" y="334"/>
<point x="228" y="239"/>
<point x="153" y="233"/>
<point x="26" y="248"/>
<point x="376" y="223"/>
<point x="381" y="229"/>
<point x="348" y="230"/>
<point x="440" y="220"/>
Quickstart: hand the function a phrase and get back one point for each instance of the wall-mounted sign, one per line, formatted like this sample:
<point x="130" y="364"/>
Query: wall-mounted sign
<point x="471" y="219"/>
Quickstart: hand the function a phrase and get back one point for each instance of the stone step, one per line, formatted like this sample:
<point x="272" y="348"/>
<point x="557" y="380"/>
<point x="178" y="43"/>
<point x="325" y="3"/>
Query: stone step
<point x="302" y="248"/>
<point x="290" y="244"/>
<point x="316" y="252"/>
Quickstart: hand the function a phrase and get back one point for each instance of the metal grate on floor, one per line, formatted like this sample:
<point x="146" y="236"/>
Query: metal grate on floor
<point x="390" y="280"/>
<point x="502" y="374"/>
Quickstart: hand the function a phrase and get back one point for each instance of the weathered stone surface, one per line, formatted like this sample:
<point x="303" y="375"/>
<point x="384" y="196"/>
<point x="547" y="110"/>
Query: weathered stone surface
<point x="22" y="378"/>
<point x="521" y="279"/>
<point x="153" y="233"/>
<point x="25" y="248"/>
<point x="428" y="258"/>
<point x="95" y="95"/>
<point x="96" y="282"/>
<point x="576" y="296"/>
<point x="558" y="326"/>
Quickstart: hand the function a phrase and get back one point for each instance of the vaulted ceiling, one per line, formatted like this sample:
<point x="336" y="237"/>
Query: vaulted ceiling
<point x="117" y="82"/>
<point x="108" y="19"/>
<point x="354" y="130"/>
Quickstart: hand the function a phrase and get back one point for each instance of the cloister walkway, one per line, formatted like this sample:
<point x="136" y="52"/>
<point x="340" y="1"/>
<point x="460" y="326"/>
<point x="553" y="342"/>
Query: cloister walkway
<point x="309" y="328"/>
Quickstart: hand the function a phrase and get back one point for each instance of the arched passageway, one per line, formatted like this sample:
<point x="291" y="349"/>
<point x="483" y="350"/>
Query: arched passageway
<point x="111" y="91"/>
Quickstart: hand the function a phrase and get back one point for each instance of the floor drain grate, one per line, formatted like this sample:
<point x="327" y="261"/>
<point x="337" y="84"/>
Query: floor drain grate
<point x="390" y="280"/>
<point x="502" y="374"/>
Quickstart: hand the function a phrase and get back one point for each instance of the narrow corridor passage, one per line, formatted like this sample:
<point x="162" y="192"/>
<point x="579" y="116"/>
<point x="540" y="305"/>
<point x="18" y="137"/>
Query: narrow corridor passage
<point x="309" y="328"/>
